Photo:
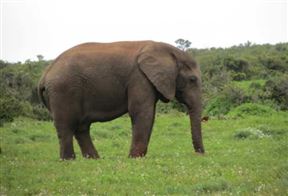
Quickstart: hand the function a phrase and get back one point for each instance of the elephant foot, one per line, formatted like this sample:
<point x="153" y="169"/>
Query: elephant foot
<point x="91" y="156"/>
<point x="199" y="150"/>
<point x="137" y="153"/>
<point x="68" y="157"/>
<point x="89" y="152"/>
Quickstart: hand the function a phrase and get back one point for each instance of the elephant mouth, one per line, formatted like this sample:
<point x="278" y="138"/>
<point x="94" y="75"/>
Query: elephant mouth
<point x="179" y="97"/>
<point x="162" y="98"/>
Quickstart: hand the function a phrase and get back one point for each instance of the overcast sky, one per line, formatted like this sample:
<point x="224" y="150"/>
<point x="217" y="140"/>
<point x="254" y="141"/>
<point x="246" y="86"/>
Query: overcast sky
<point x="48" y="27"/>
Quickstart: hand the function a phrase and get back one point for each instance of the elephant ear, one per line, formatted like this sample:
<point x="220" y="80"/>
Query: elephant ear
<point x="161" y="70"/>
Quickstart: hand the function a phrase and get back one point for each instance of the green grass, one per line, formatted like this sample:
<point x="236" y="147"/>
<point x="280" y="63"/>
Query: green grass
<point x="235" y="162"/>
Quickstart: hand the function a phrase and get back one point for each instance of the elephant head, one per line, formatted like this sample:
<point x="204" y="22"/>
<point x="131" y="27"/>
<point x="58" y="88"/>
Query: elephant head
<point x="175" y="74"/>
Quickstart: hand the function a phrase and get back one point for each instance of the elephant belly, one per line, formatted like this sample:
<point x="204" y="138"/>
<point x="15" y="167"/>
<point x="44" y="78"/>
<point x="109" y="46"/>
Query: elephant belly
<point x="103" y="105"/>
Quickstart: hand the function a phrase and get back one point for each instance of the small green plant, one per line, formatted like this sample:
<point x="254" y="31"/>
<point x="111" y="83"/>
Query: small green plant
<point x="250" y="133"/>
<point x="274" y="132"/>
<point x="211" y="186"/>
<point x="261" y="131"/>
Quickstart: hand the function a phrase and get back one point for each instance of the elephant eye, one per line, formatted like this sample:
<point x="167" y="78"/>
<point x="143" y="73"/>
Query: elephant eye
<point x="192" y="78"/>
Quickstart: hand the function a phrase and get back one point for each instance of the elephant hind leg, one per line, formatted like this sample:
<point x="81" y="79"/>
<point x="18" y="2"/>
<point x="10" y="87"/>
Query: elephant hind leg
<point x="65" y="136"/>
<point x="82" y="135"/>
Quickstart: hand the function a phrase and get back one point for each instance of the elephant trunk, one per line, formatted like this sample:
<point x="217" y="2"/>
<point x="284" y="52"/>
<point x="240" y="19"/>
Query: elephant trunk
<point x="195" y="121"/>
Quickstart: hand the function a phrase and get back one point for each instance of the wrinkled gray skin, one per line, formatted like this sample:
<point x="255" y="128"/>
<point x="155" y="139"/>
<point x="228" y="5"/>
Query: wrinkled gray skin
<point x="98" y="82"/>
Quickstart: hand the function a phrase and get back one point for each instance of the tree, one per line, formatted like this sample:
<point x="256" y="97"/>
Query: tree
<point x="248" y="44"/>
<point x="40" y="57"/>
<point x="183" y="44"/>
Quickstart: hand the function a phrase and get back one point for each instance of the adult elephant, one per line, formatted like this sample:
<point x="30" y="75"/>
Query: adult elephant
<point x="97" y="82"/>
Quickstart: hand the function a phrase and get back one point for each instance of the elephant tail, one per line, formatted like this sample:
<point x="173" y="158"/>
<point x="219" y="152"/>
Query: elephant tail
<point x="42" y="93"/>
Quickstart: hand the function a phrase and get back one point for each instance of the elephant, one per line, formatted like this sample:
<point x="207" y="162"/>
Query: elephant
<point x="98" y="82"/>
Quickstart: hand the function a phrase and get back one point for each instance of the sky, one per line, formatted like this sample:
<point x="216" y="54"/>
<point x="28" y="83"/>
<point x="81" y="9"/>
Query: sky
<point x="49" y="27"/>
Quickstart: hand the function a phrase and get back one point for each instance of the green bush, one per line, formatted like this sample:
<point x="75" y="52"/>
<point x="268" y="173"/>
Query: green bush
<point x="217" y="106"/>
<point x="235" y="95"/>
<point x="277" y="90"/>
<point x="26" y="109"/>
<point x="9" y="108"/>
<point x="251" y="109"/>
<point x="277" y="64"/>
<point x="236" y="65"/>
<point x="41" y="113"/>
<point x="238" y="76"/>
<point x="230" y="97"/>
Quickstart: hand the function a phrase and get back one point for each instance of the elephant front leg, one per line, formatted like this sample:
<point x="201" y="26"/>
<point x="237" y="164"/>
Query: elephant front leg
<point x="142" y="123"/>
<point x="141" y="107"/>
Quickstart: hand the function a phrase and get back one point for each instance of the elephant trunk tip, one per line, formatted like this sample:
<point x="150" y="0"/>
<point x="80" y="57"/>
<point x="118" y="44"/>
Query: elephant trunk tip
<point x="198" y="147"/>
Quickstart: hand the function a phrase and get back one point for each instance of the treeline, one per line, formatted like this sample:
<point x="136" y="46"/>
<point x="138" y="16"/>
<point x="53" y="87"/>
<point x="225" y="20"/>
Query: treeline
<point x="231" y="77"/>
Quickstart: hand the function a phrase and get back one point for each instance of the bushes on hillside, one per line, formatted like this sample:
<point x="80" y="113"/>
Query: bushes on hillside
<point x="18" y="96"/>
<point x="221" y="67"/>
<point x="277" y="90"/>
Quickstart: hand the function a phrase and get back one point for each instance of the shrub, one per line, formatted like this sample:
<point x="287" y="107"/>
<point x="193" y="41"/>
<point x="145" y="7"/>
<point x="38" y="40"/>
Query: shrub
<point x="41" y="113"/>
<point x="280" y="93"/>
<point x="9" y="108"/>
<point x="237" y="65"/>
<point x="26" y="109"/>
<point x="274" y="63"/>
<point x="216" y="82"/>
<point x="230" y="97"/>
<point x="217" y="106"/>
<point x="251" y="109"/>
<point x="238" y="76"/>
<point x="234" y="94"/>
<point x="277" y="90"/>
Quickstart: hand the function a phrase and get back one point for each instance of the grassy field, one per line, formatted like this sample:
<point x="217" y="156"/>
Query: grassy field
<point x="244" y="156"/>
